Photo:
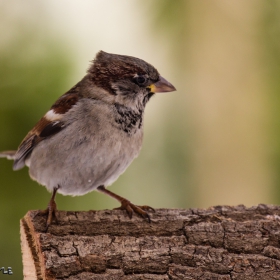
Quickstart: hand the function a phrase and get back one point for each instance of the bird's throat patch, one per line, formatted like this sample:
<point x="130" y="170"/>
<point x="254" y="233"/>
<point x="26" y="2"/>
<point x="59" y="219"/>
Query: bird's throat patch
<point x="128" y="120"/>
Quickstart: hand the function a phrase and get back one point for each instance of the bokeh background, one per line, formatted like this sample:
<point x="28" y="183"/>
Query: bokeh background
<point x="214" y="141"/>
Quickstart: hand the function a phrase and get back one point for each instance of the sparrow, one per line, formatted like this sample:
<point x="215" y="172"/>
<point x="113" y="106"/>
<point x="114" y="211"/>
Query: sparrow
<point x="93" y="132"/>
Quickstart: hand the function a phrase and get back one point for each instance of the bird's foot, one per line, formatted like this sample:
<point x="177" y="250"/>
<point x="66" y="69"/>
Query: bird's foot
<point x="127" y="205"/>
<point x="140" y="210"/>
<point x="50" y="211"/>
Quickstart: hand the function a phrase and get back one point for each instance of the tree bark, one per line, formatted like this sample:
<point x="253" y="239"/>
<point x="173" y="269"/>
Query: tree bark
<point x="221" y="243"/>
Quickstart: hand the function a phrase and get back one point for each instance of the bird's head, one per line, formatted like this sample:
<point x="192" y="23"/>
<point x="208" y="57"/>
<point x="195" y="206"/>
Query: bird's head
<point x="129" y="80"/>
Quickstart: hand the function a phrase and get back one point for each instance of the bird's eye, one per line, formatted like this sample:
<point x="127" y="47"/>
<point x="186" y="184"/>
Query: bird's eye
<point x="140" y="80"/>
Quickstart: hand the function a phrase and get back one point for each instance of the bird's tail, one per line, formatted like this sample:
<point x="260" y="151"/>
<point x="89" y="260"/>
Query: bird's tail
<point x="8" y="154"/>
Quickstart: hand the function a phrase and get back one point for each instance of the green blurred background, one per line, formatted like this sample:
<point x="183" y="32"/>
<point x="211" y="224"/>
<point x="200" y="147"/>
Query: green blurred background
<point x="214" y="141"/>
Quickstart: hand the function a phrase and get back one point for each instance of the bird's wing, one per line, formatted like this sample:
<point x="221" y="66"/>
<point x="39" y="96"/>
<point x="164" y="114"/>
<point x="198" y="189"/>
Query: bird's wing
<point x="42" y="130"/>
<point x="49" y="125"/>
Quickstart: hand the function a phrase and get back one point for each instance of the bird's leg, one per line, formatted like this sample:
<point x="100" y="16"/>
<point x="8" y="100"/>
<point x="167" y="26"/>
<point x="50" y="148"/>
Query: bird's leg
<point x="127" y="205"/>
<point x="51" y="210"/>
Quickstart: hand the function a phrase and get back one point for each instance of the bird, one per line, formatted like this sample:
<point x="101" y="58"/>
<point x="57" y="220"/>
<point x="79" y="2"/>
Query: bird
<point x="93" y="132"/>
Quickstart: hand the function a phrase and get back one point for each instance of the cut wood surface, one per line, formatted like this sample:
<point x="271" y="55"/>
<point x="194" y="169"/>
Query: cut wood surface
<point x="221" y="243"/>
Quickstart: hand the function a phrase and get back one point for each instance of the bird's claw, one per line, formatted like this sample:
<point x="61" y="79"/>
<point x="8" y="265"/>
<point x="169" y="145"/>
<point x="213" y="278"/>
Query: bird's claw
<point x="140" y="210"/>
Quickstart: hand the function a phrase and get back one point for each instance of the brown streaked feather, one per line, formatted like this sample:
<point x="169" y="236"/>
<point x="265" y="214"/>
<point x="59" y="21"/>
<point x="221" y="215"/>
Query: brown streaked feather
<point x="41" y="130"/>
<point x="65" y="103"/>
<point x="51" y="129"/>
<point x="24" y="151"/>
<point x="44" y="128"/>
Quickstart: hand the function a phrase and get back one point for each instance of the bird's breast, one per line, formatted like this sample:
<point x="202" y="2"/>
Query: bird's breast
<point x="89" y="152"/>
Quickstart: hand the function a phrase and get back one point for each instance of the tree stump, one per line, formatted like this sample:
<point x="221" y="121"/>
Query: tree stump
<point x="221" y="243"/>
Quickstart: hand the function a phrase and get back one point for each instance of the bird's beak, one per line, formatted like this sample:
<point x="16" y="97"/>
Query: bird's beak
<point x="161" y="85"/>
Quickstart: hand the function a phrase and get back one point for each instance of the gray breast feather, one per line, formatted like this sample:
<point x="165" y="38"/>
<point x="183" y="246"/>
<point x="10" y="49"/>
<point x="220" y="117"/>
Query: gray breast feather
<point x="90" y="151"/>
